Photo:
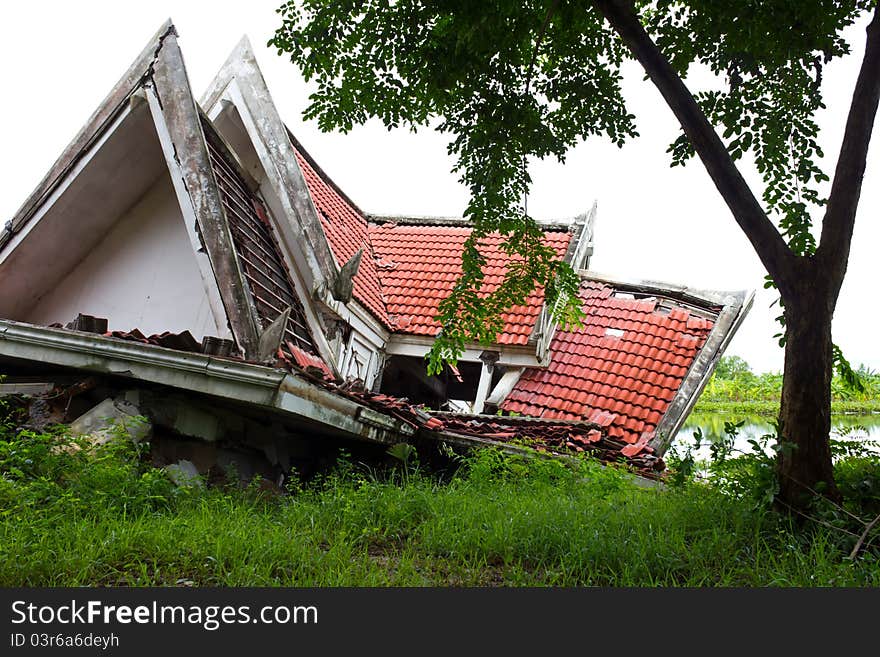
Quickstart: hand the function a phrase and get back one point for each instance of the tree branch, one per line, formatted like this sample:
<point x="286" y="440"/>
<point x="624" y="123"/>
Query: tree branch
<point x="550" y="9"/>
<point x="747" y="211"/>
<point x="840" y="215"/>
<point x="860" y="542"/>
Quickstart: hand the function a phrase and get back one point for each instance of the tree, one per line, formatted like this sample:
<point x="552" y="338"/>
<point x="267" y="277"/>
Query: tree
<point x="732" y="367"/>
<point x="530" y="78"/>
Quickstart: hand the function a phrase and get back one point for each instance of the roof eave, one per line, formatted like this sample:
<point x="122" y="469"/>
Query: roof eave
<point x="683" y="293"/>
<point x="735" y="307"/>
<point x="227" y="379"/>
<point x="100" y="119"/>
<point x="450" y="222"/>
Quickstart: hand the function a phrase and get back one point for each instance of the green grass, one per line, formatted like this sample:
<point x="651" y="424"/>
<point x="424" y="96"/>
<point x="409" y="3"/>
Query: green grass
<point x="104" y="517"/>
<point x="734" y="388"/>
<point x="770" y="407"/>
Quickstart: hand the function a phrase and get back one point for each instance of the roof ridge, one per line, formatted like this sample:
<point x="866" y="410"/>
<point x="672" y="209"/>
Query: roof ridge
<point x="451" y="222"/>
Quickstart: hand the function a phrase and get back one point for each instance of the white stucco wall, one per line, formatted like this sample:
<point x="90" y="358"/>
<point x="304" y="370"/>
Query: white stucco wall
<point x="142" y="275"/>
<point x="360" y="360"/>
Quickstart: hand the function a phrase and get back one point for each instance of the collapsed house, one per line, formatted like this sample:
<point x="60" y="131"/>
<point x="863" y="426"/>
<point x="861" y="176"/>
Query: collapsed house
<point x="190" y="262"/>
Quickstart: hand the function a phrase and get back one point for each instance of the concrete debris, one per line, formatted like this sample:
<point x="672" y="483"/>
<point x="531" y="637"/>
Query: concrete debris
<point x="185" y="474"/>
<point x="193" y="421"/>
<point x="112" y="418"/>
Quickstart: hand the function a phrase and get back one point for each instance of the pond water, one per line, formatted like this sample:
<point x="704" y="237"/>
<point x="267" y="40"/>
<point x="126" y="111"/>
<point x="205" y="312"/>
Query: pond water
<point x="864" y="429"/>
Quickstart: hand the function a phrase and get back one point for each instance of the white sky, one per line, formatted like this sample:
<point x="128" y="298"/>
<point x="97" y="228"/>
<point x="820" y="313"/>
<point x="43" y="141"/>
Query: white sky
<point x="59" y="59"/>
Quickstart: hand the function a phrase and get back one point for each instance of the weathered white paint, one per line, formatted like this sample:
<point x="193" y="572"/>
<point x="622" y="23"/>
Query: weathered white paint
<point x="361" y="360"/>
<point x="371" y="335"/>
<point x="483" y="386"/>
<point x="578" y="255"/>
<point x="505" y="385"/>
<point x="73" y="218"/>
<point x="59" y="190"/>
<point x="143" y="274"/>
<point x="400" y="344"/>
<point x="583" y="249"/>
<point x="184" y="201"/>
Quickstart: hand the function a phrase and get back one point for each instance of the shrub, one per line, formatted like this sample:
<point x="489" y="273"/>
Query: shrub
<point x="54" y="469"/>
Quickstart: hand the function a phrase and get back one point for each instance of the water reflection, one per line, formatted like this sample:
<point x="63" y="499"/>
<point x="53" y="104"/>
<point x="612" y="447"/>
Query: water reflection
<point x="862" y="428"/>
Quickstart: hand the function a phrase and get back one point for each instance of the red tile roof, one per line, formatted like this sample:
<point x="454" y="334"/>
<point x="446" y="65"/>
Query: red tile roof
<point x="180" y="341"/>
<point x="553" y="435"/>
<point x="418" y="264"/>
<point x="304" y="361"/>
<point x="408" y="269"/>
<point x="347" y="231"/>
<point x="621" y="369"/>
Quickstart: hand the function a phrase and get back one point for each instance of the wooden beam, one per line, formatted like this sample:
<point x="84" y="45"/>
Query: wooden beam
<point x="489" y="359"/>
<point x="181" y="118"/>
<point x="503" y="388"/>
<point x="419" y="345"/>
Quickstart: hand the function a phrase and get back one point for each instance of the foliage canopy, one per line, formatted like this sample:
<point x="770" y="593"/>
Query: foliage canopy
<point x="530" y="79"/>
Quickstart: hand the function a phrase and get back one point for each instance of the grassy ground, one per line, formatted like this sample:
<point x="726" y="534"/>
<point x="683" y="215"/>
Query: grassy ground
<point x="770" y="407"/>
<point x="104" y="517"/>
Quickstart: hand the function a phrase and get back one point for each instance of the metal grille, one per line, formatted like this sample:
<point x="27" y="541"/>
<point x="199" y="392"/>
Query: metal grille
<point x="258" y="254"/>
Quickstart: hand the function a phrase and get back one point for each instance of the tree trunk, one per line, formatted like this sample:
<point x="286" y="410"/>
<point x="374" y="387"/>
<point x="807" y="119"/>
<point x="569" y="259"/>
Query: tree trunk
<point x="808" y="285"/>
<point x="804" y="462"/>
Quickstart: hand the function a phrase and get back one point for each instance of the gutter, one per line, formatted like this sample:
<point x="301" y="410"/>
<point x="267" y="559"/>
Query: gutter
<point x="227" y="379"/>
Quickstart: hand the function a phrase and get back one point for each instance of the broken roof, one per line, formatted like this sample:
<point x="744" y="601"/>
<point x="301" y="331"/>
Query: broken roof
<point x="627" y="361"/>
<point x="303" y="395"/>
<point x="619" y="385"/>
<point x="411" y="264"/>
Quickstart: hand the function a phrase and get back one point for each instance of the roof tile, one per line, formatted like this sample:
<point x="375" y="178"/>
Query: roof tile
<point x="604" y="378"/>
<point x="428" y="260"/>
<point x="347" y="231"/>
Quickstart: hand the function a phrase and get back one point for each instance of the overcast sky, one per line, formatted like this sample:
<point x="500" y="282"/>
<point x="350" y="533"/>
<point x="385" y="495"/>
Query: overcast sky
<point x="59" y="59"/>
